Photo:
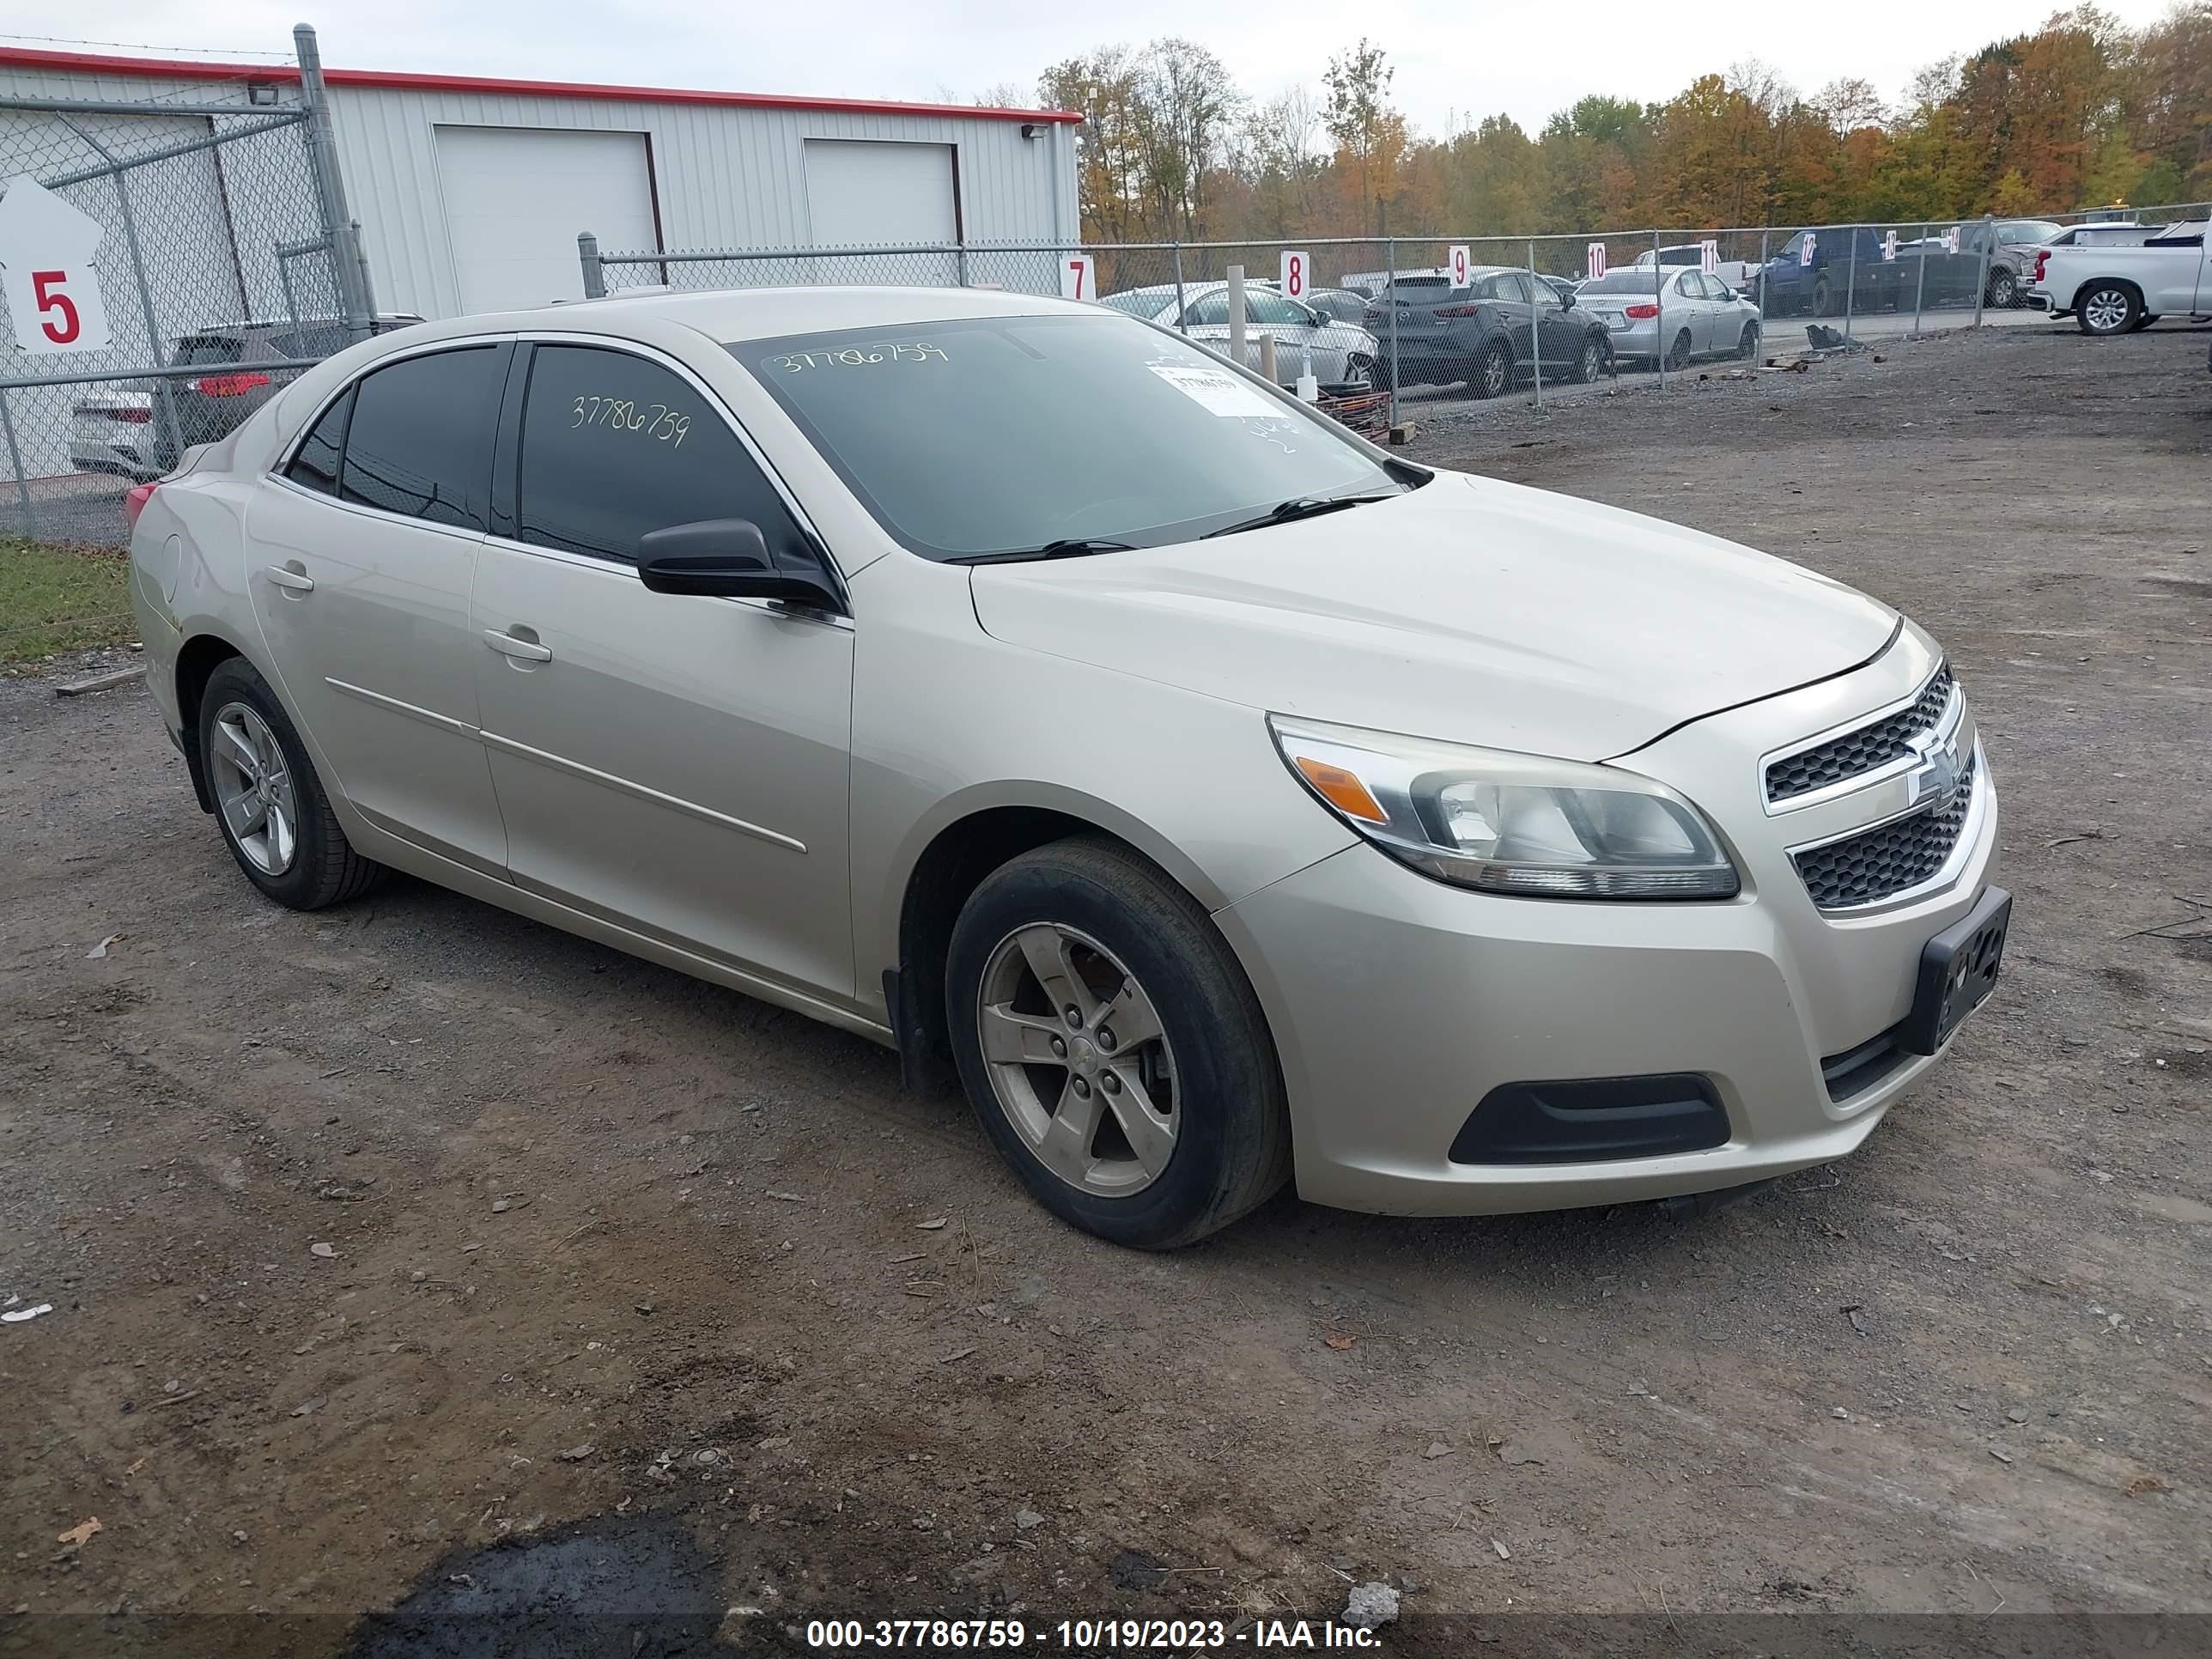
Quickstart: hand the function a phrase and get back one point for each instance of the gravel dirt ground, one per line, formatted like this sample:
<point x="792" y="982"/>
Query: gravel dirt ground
<point x="377" y="1237"/>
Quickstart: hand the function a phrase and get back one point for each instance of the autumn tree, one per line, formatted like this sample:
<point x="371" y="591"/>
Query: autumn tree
<point x="1369" y="133"/>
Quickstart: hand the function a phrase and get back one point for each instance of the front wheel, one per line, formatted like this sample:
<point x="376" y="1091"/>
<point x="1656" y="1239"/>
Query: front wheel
<point x="1112" y="1047"/>
<point x="276" y="817"/>
<point x="1747" y="347"/>
<point x="2106" y="308"/>
<point x="1824" y="299"/>
<point x="2004" y="290"/>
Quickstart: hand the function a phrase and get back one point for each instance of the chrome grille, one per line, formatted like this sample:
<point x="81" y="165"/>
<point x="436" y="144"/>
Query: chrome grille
<point x="1889" y="858"/>
<point x="1856" y="752"/>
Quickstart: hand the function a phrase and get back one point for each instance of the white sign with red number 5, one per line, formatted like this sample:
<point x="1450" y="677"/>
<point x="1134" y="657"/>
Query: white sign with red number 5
<point x="46" y="268"/>
<point x="1297" y="273"/>
<point x="1075" y="277"/>
<point x="1461" y="262"/>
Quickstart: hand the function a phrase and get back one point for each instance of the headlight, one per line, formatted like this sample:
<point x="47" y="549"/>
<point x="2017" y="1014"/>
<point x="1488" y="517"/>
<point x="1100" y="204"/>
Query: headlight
<point x="1507" y="823"/>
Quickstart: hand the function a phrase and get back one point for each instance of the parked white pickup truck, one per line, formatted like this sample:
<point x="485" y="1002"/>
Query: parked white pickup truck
<point x="2109" y="290"/>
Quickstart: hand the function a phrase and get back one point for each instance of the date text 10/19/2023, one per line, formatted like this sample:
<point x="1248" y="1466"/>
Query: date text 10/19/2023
<point x="1093" y="1635"/>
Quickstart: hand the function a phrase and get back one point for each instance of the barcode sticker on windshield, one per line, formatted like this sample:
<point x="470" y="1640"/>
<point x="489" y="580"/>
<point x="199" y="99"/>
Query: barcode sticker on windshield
<point x="1215" y="390"/>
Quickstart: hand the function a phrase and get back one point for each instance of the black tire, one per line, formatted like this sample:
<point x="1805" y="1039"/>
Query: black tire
<point x="324" y="870"/>
<point x="1824" y="298"/>
<point x="1492" y="376"/>
<point x="1678" y="354"/>
<point x="2004" y="290"/>
<point x="2141" y="322"/>
<point x="1590" y="362"/>
<point x="2118" y="308"/>
<point x="1747" y="347"/>
<point x="1232" y="1144"/>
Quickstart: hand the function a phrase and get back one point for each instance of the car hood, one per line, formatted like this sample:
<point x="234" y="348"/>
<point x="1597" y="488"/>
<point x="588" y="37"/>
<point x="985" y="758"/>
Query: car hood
<point x="1470" y="610"/>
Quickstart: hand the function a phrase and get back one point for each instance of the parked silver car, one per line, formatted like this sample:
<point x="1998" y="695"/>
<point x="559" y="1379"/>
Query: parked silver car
<point x="1220" y="798"/>
<point x="1343" y="354"/>
<point x="1696" y="316"/>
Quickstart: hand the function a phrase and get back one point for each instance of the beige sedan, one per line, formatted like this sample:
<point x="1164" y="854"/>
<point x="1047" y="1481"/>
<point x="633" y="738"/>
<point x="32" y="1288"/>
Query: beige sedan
<point x="1221" y="800"/>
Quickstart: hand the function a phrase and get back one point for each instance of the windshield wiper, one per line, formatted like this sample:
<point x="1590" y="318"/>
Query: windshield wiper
<point x="1298" y="507"/>
<point x="1071" y="549"/>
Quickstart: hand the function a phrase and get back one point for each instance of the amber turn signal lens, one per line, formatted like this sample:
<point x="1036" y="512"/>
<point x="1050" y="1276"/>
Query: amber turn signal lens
<point x="1341" y="790"/>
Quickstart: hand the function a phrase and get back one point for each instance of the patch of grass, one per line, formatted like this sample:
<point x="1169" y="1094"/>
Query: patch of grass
<point x="60" y="599"/>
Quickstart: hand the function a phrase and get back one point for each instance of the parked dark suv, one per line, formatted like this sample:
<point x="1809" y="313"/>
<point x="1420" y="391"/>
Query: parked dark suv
<point x="1480" y="333"/>
<point x="120" y="430"/>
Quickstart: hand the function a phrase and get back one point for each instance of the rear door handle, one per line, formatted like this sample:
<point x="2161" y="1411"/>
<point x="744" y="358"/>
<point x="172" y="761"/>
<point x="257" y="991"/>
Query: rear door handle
<point x="509" y="645"/>
<point x="298" y="580"/>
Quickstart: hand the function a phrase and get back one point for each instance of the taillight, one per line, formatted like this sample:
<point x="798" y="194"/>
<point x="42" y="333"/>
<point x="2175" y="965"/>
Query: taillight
<point x="134" y="503"/>
<point x="1641" y="312"/>
<point x="227" y="386"/>
<point x="2042" y="260"/>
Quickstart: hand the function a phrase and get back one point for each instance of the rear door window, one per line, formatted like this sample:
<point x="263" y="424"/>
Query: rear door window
<point x="419" y="440"/>
<point x="614" y="446"/>
<point x="316" y="466"/>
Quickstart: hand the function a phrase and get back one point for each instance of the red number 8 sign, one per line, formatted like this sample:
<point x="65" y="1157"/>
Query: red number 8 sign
<point x="1296" y="265"/>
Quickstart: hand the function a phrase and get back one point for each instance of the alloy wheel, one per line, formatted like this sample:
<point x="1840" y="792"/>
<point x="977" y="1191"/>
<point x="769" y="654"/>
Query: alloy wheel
<point x="1078" y="1060"/>
<point x="1491" y="373"/>
<point x="2105" y="310"/>
<point x="254" y="788"/>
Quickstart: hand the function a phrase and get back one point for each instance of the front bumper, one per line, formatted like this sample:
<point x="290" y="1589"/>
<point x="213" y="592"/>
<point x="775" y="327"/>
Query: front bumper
<point x="1398" y="1003"/>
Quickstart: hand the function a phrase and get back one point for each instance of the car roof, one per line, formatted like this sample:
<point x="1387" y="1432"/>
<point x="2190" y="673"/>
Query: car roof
<point x="762" y="313"/>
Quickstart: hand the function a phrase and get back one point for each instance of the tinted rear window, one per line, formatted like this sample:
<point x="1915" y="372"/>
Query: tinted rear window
<point x="194" y="350"/>
<point x="421" y="438"/>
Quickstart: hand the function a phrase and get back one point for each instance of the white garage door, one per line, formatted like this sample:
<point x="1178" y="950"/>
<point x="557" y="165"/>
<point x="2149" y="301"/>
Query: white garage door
<point x="861" y="195"/>
<point x="516" y="197"/>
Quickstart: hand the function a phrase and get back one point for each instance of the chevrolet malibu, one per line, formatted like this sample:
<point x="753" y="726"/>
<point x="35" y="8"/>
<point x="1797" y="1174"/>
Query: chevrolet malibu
<point x="1222" y="801"/>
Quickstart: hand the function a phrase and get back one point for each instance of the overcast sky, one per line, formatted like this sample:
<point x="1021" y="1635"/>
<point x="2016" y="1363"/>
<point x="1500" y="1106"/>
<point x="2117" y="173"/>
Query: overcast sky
<point x="1457" y="60"/>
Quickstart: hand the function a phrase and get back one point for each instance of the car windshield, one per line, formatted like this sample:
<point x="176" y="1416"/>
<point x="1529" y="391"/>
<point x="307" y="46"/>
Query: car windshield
<point x="2027" y="230"/>
<point x="1145" y="302"/>
<point x="1006" y="434"/>
<point x="1623" y="281"/>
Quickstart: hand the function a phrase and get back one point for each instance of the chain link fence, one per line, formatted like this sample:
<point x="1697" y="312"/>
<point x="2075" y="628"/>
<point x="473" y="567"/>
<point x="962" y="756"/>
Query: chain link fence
<point x="224" y="264"/>
<point x="1397" y="328"/>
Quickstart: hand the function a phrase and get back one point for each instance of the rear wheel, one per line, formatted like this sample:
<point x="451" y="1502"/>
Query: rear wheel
<point x="276" y="818"/>
<point x="1678" y="354"/>
<point x="2106" y="307"/>
<point x="1492" y="373"/>
<point x="1591" y="362"/>
<point x="1112" y="1047"/>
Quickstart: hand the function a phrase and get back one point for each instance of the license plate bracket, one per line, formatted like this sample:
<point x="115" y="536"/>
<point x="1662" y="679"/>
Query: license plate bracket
<point x="1957" y="970"/>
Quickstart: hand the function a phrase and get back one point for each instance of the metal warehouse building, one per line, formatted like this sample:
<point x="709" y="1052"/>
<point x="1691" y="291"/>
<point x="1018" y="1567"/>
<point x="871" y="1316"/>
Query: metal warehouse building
<point x="470" y="191"/>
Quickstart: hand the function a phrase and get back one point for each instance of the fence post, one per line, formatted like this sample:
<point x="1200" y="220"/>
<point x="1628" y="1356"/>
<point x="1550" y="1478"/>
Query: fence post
<point x="1763" y="235"/>
<point x="1536" y="321"/>
<point x="1390" y="298"/>
<point x="1982" y="280"/>
<point x="16" y="466"/>
<point x="349" y="265"/>
<point x="1659" y="305"/>
<point x="1851" y="283"/>
<point x="1235" y="296"/>
<point x="595" y="276"/>
<point x="1182" y="323"/>
<point x="1920" y="284"/>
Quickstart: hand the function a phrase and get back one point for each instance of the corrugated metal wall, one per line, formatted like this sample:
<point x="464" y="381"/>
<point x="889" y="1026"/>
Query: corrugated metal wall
<point x="723" y="176"/>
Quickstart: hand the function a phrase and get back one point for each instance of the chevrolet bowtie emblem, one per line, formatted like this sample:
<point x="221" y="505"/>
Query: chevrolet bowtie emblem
<point x="1934" y="775"/>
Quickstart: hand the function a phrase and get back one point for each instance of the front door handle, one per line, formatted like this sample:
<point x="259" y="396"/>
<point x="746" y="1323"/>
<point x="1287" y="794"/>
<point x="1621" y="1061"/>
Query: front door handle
<point x="299" y="581"/>
<point x="509" y="645"/>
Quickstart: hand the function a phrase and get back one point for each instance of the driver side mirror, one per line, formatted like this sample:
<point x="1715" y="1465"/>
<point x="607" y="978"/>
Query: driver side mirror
<point x="726" y="558"/>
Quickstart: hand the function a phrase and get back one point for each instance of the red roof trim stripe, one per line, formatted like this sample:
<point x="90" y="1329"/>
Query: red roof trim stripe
<point x="184" y="69"/>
